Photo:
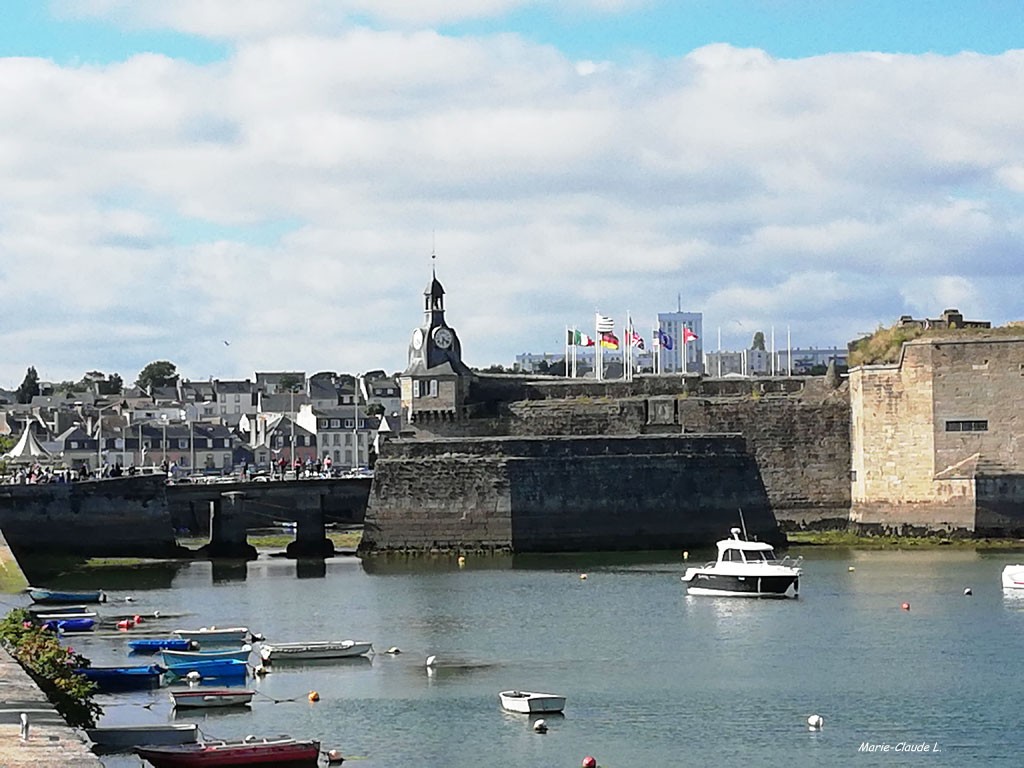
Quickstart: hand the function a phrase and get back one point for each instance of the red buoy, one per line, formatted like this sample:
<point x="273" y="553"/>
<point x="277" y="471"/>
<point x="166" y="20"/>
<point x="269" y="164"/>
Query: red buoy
<point x="125" y="624"/>
<point x="137" y="619"/>
<point x="589" y="762"/>
<point x="905" y="606"/>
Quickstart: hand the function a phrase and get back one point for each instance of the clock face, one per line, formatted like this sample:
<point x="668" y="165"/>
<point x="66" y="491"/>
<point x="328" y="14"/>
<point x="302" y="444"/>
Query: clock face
<point x="443" y="338"/>
<point x="417" y="338"/>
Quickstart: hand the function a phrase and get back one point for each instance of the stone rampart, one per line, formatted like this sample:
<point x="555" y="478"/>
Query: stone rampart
<point x="801" y="446"/>
<point x="119" y="517"/>
<point x="564" y="494"/>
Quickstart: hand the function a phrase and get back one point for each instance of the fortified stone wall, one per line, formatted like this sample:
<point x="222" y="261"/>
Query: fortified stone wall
<point x="565" y="494"/>
<point x="935" y="438"/>
<point x="122" y="517"/>
<point x="801" y="446"/>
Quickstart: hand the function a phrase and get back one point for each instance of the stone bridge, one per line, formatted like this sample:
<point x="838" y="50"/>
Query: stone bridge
<point x="227" y="511"/>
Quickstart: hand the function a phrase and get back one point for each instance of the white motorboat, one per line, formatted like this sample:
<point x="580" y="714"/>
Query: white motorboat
<point x="211" y="697"/>
<point x="530" y="703"/>
<point x="127" y="737"/>
<point x="316" y="649"/>
<point x="1013" y="577"/>
<point x="214" y="635"/>
<point x="745" y="569"/>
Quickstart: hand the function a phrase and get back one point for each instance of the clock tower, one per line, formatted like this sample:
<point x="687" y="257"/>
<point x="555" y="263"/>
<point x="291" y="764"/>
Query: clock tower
<point x="436" y="381"/>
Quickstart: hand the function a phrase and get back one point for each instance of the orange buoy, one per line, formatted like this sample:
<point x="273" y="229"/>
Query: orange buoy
<point x="125" y="624"/>
<point x="905" y="606"/>
<point x="334" y="756"/>
<point x="314" y="696"/>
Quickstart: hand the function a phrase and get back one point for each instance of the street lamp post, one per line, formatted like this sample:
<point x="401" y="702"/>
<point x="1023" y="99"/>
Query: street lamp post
<point x="355" y="424"/>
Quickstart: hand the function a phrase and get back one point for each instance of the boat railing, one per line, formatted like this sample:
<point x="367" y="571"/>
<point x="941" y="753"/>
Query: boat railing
<point x="790" y="562"/>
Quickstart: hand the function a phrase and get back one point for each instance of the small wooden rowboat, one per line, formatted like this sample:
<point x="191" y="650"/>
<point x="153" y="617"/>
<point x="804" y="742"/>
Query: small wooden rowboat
<point x="72" y="623"/>
<point x="180" y="657"/>
<point x="317" y="649"/>
<point x="215" y="668"/>
<point x="127" y="737"/>
<point x="43" y="595"/>
<point x="282" y="751"/>
<point x="212" y="635"/>
<point x="154" y="644"/>
<point x="123" y="678"/>
<point x="212" y="697"/>
<point x="530" y="703"/>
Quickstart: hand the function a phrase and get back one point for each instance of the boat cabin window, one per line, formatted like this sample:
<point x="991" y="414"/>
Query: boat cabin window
<point x="758" y="556"/>
<point x="732" y="556"/>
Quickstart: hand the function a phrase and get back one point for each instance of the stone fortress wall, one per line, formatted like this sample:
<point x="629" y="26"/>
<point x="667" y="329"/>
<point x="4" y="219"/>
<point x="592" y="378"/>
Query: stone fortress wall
<point x="938" y="438"/>
<point x="658" y="462"/>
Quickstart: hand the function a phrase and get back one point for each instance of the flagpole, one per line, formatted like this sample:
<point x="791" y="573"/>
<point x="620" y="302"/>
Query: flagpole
<point x="565" y="364"/>
<point x="789" y="353"/>
<point x="598" y="353"/>
<point x="773" y="352"/>
<point x="719" y="351"/>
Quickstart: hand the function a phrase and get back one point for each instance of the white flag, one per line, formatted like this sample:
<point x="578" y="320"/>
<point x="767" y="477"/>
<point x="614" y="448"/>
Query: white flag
<point x="605" y="324"/>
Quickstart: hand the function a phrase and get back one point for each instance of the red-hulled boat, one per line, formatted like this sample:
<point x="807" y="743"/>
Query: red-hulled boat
<point x="281" y="752"/>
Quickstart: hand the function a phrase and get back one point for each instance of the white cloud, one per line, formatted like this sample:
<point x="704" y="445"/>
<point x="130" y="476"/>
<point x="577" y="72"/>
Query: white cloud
<point x="288" y="198"/>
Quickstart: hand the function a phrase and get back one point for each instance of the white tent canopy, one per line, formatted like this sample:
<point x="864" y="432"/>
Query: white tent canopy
<point x="27" y="449"/>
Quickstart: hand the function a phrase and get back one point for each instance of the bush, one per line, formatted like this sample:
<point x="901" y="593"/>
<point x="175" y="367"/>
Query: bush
<point x="52" y="667"/>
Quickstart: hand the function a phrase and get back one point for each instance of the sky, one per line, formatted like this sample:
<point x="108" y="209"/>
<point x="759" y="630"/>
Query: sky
<point x="260" y="185"/>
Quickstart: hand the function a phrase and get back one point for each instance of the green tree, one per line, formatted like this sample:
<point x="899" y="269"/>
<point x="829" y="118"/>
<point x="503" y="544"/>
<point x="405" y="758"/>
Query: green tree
<point x="291" y="382"/>
<point x="114" y="385"/>
<point x="29" y="386"/>
<point x="159" y="373"/>
<point x="758" y="342"/>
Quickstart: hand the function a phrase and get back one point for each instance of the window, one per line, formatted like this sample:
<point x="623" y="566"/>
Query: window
<point x="182" y="443"/>
<point x="415" y="389"/>
<point x="238" y="398"/>
<point x="967" y="426"/>
<point x="433" y="387"/>
<point x="337" y="439"/>
<point x="227" y="460"/>
<point x="348" y="423"/>
<point x="754" y="556"/>
<point x="74" y="444"/>
<point x="335" y="423"/>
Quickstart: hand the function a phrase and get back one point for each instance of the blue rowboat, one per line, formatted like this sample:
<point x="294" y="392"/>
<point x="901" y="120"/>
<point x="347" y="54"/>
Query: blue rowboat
<point x="42" y="595"/>
<point x="70" y="625"/>
<point x="210" y="669"/>
<point x="111" y="679"/>
<point x="173" y="656"/>
<point x="154" y="644"/>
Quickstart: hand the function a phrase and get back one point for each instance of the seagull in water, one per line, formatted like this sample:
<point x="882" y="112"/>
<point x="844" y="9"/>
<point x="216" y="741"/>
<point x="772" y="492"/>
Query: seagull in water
<point x="227" y="343"/>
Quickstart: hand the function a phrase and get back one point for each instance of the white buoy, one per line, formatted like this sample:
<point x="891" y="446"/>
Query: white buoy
<point x="129" y="599"/>
<point x="431" y="660"/>
<point x="24" y="726"/>
<point x="193" y="675"/>
<point x="540" y="726"/>
<point x="851" y="569"/>
<point x="968" y="591"/>
<point x="394" y="649"/>
<point x="815" y="722"/>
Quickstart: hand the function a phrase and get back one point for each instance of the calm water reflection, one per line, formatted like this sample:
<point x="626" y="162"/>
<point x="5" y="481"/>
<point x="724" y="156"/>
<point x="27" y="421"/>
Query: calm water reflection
<point x="653" y="677"/>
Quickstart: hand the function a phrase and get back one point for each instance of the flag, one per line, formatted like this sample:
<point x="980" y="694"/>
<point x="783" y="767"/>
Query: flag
<point x="609" y="341"/>
<point x="577" y="339"/>
<point x="664" y="339"/>
<point x="689" y="336"/>
<point x="605" y="324"/>
<point x="638" y="340"/>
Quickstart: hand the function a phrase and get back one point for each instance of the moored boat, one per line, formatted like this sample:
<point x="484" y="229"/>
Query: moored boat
<point x="215" y="668"/>
<point x="211" y="697"/>
<point x="1013" y="577"/>
<point x="744" y="569"/>
<point x="127" y="737"/>
<point x="70" y="624"/>
<point x="111" y="679"/>
<point x="316" y="649"/>
<point x="180" y="657"/>
<point x="57" y="609"/>
<point x="208" y="635"/>
<point x="154" y="644"/>
<point x="282" y="751"/>
<point x="529" y="702"/>
<point x="43" y="595"/>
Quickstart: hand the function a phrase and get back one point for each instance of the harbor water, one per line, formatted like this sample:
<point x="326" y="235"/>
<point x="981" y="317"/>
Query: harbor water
<point x="652" y="677"/>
